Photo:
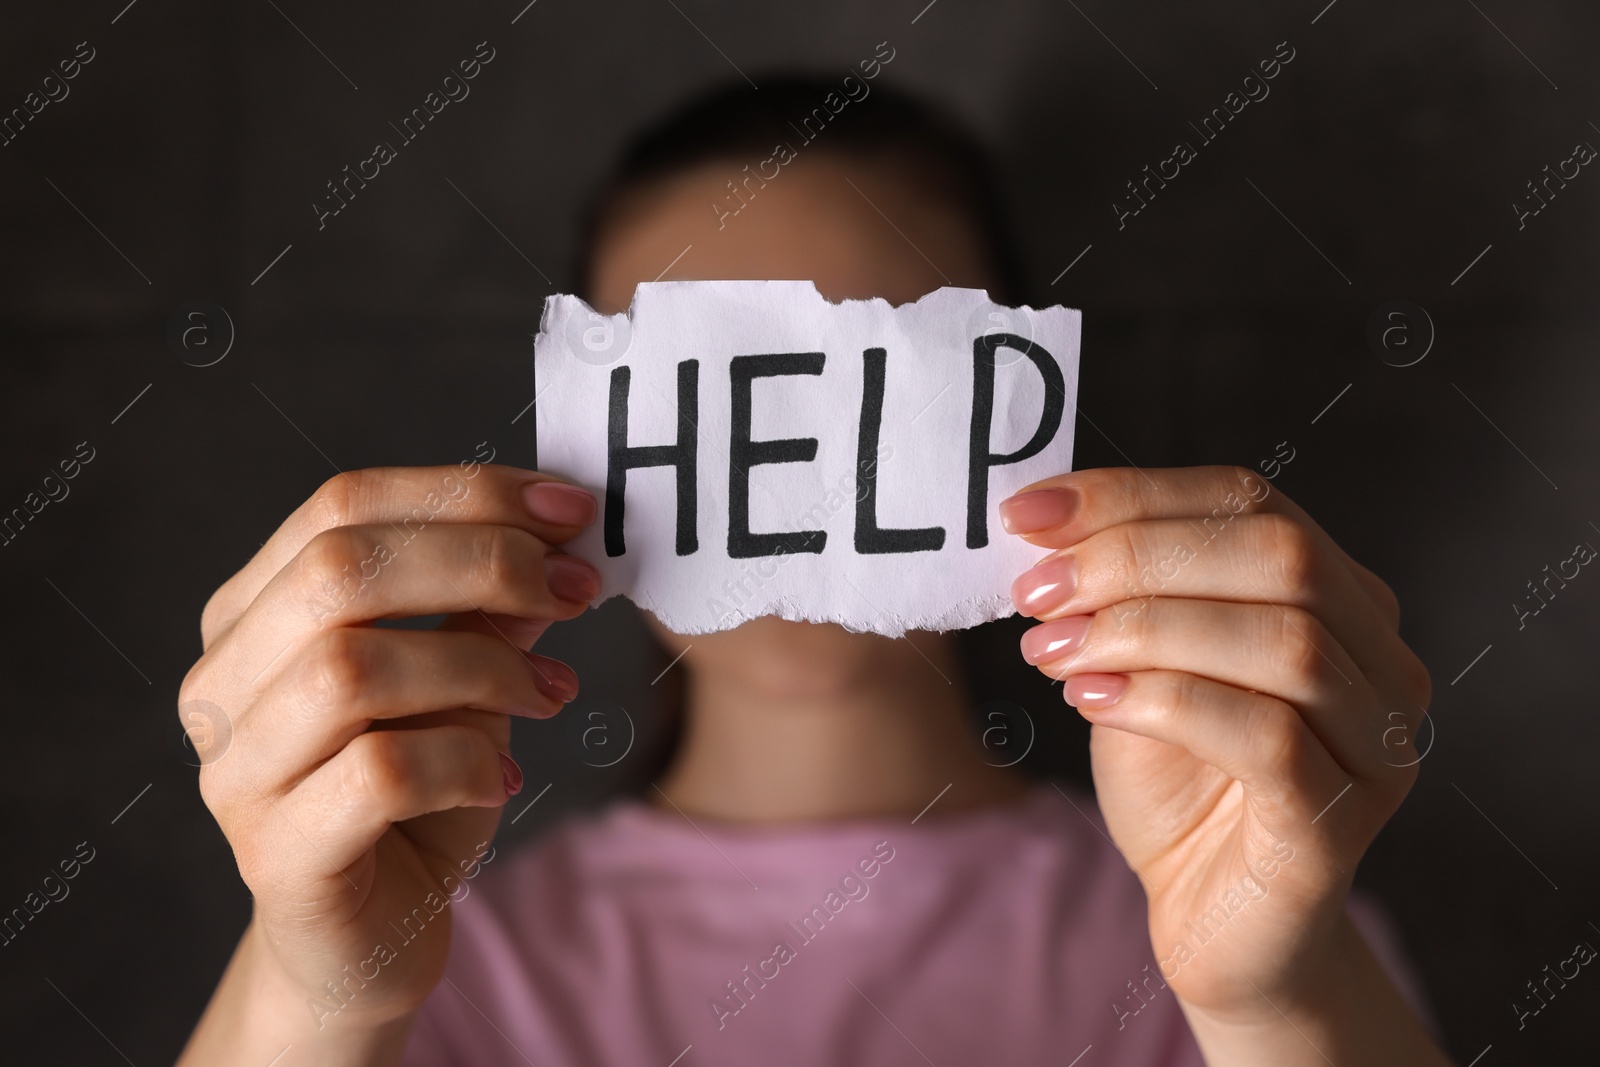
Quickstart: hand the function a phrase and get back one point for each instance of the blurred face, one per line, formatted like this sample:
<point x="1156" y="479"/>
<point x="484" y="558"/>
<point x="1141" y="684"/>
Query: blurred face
<point x="858" y="229"/>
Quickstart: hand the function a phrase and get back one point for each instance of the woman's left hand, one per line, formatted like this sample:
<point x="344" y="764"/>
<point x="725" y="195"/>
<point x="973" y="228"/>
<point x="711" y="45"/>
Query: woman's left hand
<point x="1253" y="711"/>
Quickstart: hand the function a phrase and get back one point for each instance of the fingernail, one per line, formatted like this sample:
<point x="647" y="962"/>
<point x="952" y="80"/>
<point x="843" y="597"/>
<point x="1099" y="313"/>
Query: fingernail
<point x="512" y="775"/>
<point x="1045" y="586"/>
<point x="571" y="578"/>
<point x="1094" y="691"/>
<point x="554" y="678"/>
<point x="1039" y="510"/>
<point x="1052" y="640"/>
<point x="559" y="504"/>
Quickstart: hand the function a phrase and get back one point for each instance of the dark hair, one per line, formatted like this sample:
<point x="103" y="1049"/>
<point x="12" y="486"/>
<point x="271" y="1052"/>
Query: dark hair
<point x="736" y="121"/>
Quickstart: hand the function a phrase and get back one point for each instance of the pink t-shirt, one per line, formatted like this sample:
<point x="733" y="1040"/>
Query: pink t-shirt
<point x="1006" y="934"/>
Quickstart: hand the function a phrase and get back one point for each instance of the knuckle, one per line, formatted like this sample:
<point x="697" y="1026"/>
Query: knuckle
<point x="342" y="667"/>
<point x="1298" y="642"/>
<point x="335" y="501"/>
<point x="193" y="687"/>
<point x="254" y="863"/>
<point x="489" y="564"/>
<point x="332" y="551"/>
<point x="212" y="793"/>
<point x="481" y="774"/>
<point x="379" y="770"/>
<point x="223" y="608"/>
<point x="1245" y="484"/>
<point x="1293" y="551"/>
<point x="1280" y="736"/>
<point x="1120" y="561"/>
<point x="1185" y="693"/>
<point x="499" y="558"/>
<point x="211" y="617"/>
<point x="232" y="810"/>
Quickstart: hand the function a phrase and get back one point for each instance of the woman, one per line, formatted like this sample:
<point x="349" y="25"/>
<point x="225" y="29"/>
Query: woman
<point x="827" y="872"/>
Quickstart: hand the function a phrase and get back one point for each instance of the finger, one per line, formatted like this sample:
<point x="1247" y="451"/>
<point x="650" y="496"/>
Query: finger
<point x="408" y="499"/>
<point x="380" y="778"/>
<point x="1266" y="557"/>
<point x="1061" y="511"/>
<point x="345" y="680"/>
<point x="1282" y="652"/>
<point x="518" y="632"/>
<point x="442" y="569"/>
<point x="1255" y="738"/>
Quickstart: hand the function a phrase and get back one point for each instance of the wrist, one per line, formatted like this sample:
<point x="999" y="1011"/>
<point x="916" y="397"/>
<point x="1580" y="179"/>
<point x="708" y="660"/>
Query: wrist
<point x="261" y="1011"/>
<point x="1325" y="961"/>
<point x="340" y="1006"/>
<point x="1338" y="1006"/>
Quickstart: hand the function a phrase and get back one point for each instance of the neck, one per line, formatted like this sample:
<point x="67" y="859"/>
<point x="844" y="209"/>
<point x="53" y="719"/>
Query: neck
<point x="885" y="741"/>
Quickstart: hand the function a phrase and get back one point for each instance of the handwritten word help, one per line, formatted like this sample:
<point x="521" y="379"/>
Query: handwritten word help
<point x="734" y="406"/>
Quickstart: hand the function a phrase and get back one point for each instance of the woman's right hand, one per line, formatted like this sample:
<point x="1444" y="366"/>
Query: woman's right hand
<point x="359" y="772"/>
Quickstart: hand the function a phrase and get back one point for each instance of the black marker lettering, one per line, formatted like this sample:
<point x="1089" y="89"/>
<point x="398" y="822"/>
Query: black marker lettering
<point x="621" y="457"/>
<point x="743" y="453"/>
<point x="870" y="539"/>
<point x="980" y="458"/>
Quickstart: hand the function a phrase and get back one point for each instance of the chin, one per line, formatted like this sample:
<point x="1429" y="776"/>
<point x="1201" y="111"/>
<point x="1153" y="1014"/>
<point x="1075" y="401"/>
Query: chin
<point x="794" y="658"/>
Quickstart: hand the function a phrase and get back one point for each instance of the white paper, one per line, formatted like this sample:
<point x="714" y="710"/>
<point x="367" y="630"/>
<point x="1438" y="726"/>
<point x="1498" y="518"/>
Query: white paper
<point x="921" y="469"/>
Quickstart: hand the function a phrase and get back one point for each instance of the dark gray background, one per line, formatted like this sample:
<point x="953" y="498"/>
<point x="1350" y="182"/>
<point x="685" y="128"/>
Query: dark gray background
<point x="1216" y="325"/>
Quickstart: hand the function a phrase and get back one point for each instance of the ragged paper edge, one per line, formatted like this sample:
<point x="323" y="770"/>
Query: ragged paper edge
<point x="962" y="615"/>
<point x="551" y="298"/>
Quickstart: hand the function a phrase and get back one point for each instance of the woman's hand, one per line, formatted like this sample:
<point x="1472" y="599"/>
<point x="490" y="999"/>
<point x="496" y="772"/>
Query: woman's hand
<point x="366" y="768"/>
<point x="1252" y="707"/>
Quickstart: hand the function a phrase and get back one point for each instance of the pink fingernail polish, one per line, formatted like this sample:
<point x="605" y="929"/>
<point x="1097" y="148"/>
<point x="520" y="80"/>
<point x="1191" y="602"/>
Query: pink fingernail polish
<point x="559" y="504"/>
<point x="1053" y="640"/>
<point x="1094" y="691"/>
<point x="1038" y="510"/>
<point x="571" y="578"/>
<point x="512" y="775"/>
<point x="554" y="678"/>
<point x="1045" y="586"/>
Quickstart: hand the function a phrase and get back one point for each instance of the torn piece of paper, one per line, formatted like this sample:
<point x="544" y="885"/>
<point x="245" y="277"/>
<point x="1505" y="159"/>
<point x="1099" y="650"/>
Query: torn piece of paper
<point x="759" y="450"/>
